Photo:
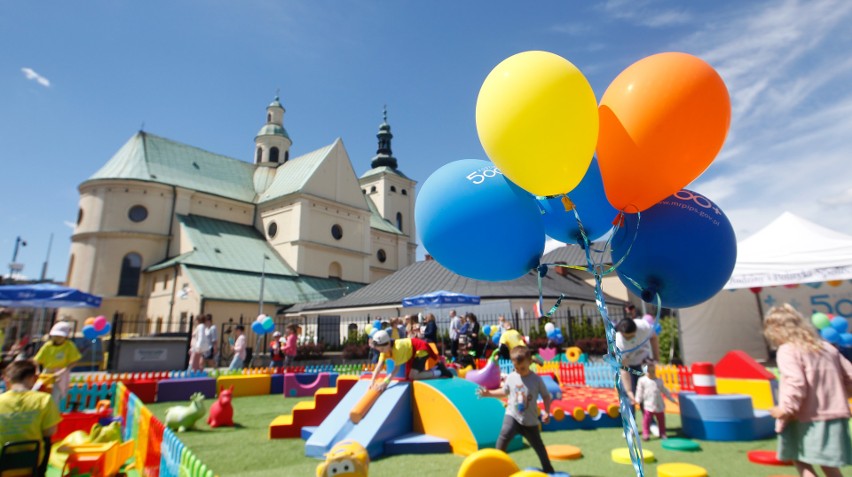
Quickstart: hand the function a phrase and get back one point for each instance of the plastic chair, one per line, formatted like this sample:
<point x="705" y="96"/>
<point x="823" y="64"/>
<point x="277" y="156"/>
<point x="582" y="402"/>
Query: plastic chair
<point x="20" y="456"/>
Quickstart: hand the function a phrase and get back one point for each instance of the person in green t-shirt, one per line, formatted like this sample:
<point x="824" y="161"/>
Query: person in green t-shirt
<point x="57" y="357"/>
<point x="26" y="414"/>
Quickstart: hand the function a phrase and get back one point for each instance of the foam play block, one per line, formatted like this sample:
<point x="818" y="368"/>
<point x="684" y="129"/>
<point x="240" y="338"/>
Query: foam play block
<point x="719" y="430"/>
<point x="738" y="364"/>
<point x="488" y="462"/>
<point x="305" y="384"/>
<point x="765" y="457"/>
<point x="563" y="452"/>
<point x="552" y="386"/>
<point x="310" y="413"/>
<point x="144" y="389"/>
<point x="415" y="443"/>
<point x="276" y="384"/>
<point x="588" y="423"/>
<point x="246" y="385"/>
<point x="622" y="456"/>
<point x="363" y="406"/>
<point x="681" y="444"/>
<point x="181" y="389"/>
<point x="307" y="431"/>
<point x="449" y="409"/>
<point x="762" y="391"/>
<point x="715" y="407"/>
<point x="677" y="469"/>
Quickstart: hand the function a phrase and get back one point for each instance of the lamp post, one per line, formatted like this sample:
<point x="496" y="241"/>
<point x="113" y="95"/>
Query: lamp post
<point x="15" y="266"/>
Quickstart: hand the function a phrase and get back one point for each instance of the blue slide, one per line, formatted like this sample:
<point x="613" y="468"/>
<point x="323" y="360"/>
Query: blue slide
<point x="390" y="417"/>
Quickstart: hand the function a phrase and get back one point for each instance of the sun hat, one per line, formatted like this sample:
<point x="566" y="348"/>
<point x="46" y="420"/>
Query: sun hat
<point x="276" y="333"/>
<point x="61" y="328"/>
<point x="381" y="338"/>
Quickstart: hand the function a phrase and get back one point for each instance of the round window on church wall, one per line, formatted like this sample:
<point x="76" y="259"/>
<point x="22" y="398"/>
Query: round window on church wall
<point x="337" y="232"/>
<point x="381" y="255"/>
<point x="137" y="213"/>
<point x="272" y="230"/>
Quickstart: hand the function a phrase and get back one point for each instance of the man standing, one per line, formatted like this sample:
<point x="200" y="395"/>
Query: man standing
<point x="212" y="356"/>
<point x="637" y="342"/>
<point x="455" y="329"/>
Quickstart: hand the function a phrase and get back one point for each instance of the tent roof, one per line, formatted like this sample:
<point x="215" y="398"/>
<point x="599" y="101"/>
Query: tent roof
<point x="792" y="250"/>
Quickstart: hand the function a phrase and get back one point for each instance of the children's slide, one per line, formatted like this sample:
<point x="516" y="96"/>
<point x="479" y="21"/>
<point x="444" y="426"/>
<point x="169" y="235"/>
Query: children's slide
<point x="389" y="418"/>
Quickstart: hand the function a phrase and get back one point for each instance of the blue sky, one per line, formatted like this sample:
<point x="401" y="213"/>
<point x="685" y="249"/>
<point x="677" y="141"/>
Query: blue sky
<point x="77" y="79"/>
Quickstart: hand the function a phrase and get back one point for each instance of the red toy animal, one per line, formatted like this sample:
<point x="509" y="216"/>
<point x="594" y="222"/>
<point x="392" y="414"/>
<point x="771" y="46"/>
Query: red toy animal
<point x="221" y="412"/>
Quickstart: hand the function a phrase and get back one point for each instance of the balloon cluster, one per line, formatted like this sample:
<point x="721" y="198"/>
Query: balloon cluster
<point x="263" y="324"/>
<point x="834" y="329"/>
<point x="372" y="328"/>
<point x="565" y="166"/>
<point x="95" y="327"/>
<point x="553" y="333"/>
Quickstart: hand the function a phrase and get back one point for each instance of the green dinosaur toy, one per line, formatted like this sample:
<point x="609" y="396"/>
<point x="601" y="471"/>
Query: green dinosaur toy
<point x="181" y="418"/>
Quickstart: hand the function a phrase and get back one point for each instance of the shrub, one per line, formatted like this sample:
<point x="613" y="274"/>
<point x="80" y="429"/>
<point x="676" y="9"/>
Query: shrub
<point x="309" y="351"/>
<point x="356" y="351"/>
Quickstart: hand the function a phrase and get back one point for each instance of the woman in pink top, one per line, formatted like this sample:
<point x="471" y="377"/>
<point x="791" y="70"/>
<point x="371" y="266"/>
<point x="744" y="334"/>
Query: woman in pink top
<point x="816" y="381"/>
<point x="290" y="346"/>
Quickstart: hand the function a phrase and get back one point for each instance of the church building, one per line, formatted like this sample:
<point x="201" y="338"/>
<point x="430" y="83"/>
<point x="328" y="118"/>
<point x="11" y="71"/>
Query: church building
<point x="166" y="230"/>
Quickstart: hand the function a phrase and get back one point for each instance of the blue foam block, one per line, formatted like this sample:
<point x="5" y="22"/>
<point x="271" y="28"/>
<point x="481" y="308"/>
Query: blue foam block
<point x="307" y="432"/>
<point x="417" y="444"/>
<point x="277" y="384"/>
<point x="715" y="407"/>
<point x="552" y="386"/>
<point x="390" y="417"/>
<point x="719" y="430"/>
<point x="764" y="425"/>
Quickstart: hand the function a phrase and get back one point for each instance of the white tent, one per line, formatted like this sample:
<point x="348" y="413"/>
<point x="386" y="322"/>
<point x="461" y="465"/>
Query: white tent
<point x="790" y="260"/>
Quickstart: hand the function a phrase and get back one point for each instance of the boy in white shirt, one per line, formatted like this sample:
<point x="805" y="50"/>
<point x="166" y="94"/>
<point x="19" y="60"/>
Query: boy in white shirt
<point x="649" y="392"/>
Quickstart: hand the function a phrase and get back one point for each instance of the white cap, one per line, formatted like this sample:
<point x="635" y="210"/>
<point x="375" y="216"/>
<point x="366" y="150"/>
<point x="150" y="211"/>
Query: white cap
<point x="61" y="328"/>
<point x="381" y="338"/>
<point x="276" y="333"/>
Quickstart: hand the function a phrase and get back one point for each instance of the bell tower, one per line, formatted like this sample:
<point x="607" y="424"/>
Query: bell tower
<point x="272" y="143"/>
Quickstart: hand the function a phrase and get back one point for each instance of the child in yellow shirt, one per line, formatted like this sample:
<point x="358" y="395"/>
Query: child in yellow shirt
<point x="57" y="357"/>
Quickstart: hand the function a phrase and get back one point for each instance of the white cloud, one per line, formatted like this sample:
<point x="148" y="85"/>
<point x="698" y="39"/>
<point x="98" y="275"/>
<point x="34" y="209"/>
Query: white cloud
<point x="32" y="75"/>
<point x="643" y="13"/>
<point x="69" y="224"/>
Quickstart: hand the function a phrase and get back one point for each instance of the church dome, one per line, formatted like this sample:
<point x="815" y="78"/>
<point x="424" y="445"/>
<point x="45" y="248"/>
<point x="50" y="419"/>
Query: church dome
<point x="273" y="130"/>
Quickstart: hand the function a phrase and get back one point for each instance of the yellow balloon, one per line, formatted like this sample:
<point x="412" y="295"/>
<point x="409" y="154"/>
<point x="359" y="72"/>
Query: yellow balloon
<point x="537" y="119"/>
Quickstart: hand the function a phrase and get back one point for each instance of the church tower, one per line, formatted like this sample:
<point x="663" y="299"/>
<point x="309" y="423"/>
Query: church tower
<point x="391" y="191"/>
<point x="272" y="144"/>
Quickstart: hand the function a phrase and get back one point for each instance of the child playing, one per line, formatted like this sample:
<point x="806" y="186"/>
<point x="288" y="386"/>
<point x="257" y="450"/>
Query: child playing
<point x="25" y="414"/>
<point x="812" y="413"/>
<point x="650" y="391"/>
<point x="276" y="354"/>
<point x="239" y="348"/>
<point x="290" y="346"/>
<point x="57" y="357"/>
<point x="511" y="338"/>
<point x="411" y="352"/>
<point x="523" y="388"/>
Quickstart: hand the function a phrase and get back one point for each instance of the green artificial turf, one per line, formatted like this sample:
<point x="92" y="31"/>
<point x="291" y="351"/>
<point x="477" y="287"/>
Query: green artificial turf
<point x="246" y="450"/>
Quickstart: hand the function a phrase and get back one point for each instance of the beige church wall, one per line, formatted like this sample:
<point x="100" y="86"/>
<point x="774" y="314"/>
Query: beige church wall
<point x="315" y="260"/>
<point x="118" y="197"/>
<point x="220" y="208"/>
<point x="335" y="180"/>
<point x="81" y="263"/>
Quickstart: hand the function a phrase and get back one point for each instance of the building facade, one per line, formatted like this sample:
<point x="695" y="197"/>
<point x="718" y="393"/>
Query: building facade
<point x="166" y="231"/>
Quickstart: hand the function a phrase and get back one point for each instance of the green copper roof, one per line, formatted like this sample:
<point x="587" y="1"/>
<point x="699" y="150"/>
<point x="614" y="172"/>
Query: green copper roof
<point x="383" y="170"/>
<point x="147" y="157"/>
<point x="379" y="222"/>
<point x="240" y="286"/>
<point x="273" y="130"/>
<point x="225" y="245"/>
<point x="292" y="176"/>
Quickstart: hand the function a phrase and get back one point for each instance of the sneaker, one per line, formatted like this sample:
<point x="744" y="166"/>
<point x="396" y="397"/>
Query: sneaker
<point x="655" y="430"/>
<point x="444" y="371"/>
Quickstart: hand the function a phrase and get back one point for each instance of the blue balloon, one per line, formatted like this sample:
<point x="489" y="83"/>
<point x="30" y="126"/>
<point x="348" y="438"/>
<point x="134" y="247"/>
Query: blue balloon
<point x="89" y="332"/>
<point x="830" y="334"/>
<point x="477" y="223"/>
<point x="685" y="250"/>
<point x="377" y="324"/>
<point x="257" y="327"/>
<point x="658" y="328"/>
<point x="846" y="339"/>
<point x="840" y="324"/>
<point x="486" y="330"/>
<point x="106" y="329"/>
<point x="496" y="338"/>
<point x="594" y="210"/>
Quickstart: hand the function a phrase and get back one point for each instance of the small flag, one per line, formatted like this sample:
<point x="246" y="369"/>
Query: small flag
<point x="537" y="309"/>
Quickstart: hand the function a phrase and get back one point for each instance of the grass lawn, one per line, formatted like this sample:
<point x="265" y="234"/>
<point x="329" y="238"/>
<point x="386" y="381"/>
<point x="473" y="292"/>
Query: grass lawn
<point x="246" y="450"/>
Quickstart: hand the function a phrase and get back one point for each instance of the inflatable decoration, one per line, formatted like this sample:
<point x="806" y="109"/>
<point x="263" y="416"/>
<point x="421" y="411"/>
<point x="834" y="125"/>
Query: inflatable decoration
<point x="663" y="120"/>
<point x="503" y="235"/>
<point x="685" y="250"/>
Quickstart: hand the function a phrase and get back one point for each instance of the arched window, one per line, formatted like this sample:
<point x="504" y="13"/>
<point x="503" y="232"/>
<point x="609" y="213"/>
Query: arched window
<point x="269" y="117"/>
<point x="404" y="192"/>
<point x="259" y="155"/>
<point x="131" y="269"/>
<point x="335" y="270"/>
<point x="393" y="188"/>
<point x="286" y="156"/>
<point x="399" y="221"/>
<point x="273" y="154"/>
<point x="373" y="189"/>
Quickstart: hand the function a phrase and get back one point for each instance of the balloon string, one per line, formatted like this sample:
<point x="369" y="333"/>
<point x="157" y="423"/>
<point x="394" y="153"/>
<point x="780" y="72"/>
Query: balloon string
<point x="613" y="357"/>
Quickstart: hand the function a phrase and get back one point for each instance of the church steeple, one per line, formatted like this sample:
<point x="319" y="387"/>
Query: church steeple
<point x="384" y="155"/>
<point x="272" y="143"/>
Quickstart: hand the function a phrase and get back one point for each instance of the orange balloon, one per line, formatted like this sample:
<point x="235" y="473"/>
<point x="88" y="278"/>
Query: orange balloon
<point x="662" y="122"/>
<point x="89" y="321"/>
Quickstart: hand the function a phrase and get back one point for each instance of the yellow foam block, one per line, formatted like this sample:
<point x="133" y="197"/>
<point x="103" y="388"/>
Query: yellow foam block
<point x="246" y="385"/>
<point x="622" y="456"/>
<point x="490" y="462"/>
<point x="282" y="420"/>
<point x="760" y="390"/>
<point x="677" y="469"/>
<point x="306" y="405"/>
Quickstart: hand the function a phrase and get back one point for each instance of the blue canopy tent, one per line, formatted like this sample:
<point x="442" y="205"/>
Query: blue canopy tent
<point x="439" y="299"/>
<point x="45" y="295"/>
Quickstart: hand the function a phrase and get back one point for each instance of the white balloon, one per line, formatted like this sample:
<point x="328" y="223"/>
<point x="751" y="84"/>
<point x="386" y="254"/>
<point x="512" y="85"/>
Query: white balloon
<point x="549" y="328"/>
